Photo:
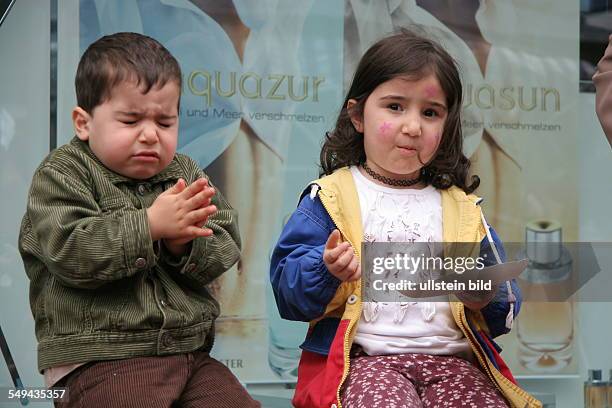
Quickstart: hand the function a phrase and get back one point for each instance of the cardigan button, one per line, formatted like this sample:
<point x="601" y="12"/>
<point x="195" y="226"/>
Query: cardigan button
<point x="352" y="299"/>
<point x="140" y="263"/>
<point x="167" y="340"/>
<point x="334" y="406"/>
<point x="142" y="189"/>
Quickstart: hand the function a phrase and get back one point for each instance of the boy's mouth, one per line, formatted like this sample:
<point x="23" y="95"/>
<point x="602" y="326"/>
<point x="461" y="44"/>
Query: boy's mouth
<point x="146" y="155"/>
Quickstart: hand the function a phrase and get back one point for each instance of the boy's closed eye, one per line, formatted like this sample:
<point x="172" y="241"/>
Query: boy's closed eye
<point x="128" y="118"/>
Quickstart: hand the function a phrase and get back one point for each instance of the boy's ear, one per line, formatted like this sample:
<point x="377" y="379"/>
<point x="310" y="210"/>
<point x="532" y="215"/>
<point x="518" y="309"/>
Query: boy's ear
<point x="356" y="118"/>
<point x="82" y="123"/>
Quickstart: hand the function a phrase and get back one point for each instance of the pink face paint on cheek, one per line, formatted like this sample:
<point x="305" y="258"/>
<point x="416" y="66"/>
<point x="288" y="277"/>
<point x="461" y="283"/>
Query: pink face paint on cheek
<point x="384" y="128"/>
<point x="438" y="140"/>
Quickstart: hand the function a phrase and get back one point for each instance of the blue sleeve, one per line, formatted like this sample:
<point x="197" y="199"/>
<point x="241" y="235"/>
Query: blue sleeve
<point x="496" y="311"/>
<point x="300" y="280"/>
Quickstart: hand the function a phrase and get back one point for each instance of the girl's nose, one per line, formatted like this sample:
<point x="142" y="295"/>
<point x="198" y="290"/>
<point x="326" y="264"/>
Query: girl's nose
<point x="412" y="127"/>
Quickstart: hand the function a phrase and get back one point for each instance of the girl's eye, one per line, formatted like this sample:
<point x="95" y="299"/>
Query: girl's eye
<point x="128" y="122"/>
<point x="395" y="107"/>
<point x="430" y="113"/>
<point x="165" y="125"/>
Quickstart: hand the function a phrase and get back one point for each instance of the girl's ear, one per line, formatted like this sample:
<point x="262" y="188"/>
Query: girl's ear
<point x="82" y="123"/>
<point x="356" y="117"/>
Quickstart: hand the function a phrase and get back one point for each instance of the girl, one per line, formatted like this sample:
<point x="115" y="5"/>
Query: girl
<point x="394" y="171"/>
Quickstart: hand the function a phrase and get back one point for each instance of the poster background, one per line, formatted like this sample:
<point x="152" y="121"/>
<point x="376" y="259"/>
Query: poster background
<point x="520" y="119"/>
<point x="24" y="100"/>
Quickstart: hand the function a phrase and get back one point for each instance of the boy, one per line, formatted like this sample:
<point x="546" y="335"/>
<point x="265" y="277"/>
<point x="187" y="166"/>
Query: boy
<point x="120" y="238"/>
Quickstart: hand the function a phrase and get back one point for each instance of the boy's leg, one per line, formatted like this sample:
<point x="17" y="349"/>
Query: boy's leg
<point x="212" y="385"/>
<point x="379" y="382"/>
<point x="148" y="382"/>
<point x="455" y="382"/>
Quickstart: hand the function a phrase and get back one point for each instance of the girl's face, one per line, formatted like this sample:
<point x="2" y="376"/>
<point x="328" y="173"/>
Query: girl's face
<point x="402" y="124"/>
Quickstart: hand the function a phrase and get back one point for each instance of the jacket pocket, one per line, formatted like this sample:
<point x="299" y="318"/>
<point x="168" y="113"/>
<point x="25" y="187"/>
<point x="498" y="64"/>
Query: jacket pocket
<point x="126" y="305"/>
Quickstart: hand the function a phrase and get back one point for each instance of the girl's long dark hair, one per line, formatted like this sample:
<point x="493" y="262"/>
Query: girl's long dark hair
<point x="404" y="54"/>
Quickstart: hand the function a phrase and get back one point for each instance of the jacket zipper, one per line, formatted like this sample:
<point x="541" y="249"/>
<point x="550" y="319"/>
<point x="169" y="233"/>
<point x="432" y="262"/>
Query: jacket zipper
<point x="347" y="360"/>
<point x="477" y="351"/>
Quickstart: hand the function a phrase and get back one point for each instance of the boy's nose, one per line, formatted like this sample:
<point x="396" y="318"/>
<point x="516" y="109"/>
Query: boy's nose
<point x="148" y="135"/>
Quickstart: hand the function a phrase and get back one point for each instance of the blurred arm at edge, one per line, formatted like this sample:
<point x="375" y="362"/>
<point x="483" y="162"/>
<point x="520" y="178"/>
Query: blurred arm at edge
<point x="603" y="91"/>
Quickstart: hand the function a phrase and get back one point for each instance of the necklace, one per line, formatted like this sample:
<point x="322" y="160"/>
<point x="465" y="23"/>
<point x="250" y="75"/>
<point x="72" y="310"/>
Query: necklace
<point x="389" y="181"/>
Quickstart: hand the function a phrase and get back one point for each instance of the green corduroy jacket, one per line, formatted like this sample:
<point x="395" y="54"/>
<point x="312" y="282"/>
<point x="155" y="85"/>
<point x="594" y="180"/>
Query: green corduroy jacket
<point x="100" y="288"/>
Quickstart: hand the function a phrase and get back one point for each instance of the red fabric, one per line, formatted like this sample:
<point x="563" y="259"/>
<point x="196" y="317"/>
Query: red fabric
<point x="319" y="376"/>
<point x="503" y="368"/>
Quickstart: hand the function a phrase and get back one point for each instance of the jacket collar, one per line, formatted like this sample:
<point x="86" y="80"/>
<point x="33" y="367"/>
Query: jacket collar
<point x="460" y="211"/>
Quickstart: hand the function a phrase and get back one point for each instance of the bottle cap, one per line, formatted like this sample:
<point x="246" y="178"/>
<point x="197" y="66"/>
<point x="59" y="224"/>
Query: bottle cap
<point x="595" y="376"/>
<point x="543" y="241"/>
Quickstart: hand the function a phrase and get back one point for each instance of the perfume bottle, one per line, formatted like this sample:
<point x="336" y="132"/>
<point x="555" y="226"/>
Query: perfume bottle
<point x="595" y="391"/>
<point x="545" y="329"/>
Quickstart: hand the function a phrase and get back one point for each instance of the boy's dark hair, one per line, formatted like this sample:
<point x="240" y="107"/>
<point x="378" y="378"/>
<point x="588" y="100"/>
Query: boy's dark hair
<point x="119" y="57"/>
<point x="404" y="54"/>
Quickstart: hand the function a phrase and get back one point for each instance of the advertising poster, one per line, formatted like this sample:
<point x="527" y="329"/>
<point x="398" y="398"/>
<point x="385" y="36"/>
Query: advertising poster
<point x="520" y="116"/>
<point x="262" y="82"/>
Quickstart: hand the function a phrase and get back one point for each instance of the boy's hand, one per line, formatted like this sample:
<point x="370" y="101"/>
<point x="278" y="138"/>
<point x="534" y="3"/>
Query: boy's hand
<point x="340" y="258"/>
<point x="180" y="212"/>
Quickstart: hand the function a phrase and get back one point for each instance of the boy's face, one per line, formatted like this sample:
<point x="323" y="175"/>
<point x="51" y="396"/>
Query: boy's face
<point x="132" y="133"/>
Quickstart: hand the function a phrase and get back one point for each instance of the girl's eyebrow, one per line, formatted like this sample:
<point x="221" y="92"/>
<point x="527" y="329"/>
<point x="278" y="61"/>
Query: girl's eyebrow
<point x="403" y="98"/>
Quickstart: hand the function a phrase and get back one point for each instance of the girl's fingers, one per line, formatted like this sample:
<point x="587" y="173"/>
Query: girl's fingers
<point x="348" y="273"/>
<point x="333" y="240"/>
<point x="356" y="274"/>
<point x="352" y="268"/>
<point x="330" y="256"/>
<point x="344" y="260"/>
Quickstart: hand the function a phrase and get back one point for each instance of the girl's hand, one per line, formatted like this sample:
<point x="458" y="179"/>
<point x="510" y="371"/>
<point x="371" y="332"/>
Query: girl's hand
<point x="476" y="300"/>
<point x="340" y="259"/>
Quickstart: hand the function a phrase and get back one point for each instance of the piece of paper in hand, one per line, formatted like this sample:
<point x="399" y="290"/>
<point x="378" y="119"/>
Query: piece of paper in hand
<point x="454" y="282"/>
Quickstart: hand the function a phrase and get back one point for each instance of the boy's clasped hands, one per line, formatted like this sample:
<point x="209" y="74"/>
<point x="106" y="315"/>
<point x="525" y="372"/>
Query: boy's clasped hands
<point x="179" y="214"/>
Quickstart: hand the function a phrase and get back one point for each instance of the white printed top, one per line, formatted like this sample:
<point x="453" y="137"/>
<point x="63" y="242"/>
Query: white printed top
<point x="404" y="215"/>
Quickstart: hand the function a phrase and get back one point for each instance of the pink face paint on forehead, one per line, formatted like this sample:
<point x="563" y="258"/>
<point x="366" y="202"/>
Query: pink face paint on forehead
<point x="384" y="127"/>
<point x="431" y="91"/>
